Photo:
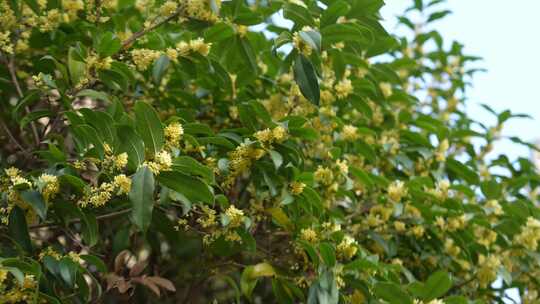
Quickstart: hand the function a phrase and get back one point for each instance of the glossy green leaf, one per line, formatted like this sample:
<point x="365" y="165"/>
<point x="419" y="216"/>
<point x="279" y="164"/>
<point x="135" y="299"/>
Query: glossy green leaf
<point x="142" y="198"/>
<point x="149" y="127"/>
<point x="306" y="78"/>
<point x="191" y="187"/>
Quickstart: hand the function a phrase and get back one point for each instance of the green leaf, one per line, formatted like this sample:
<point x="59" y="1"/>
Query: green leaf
<point x="89" y="136"/>
<point x="34" y="115"/>
<point x="343" y="32"/>
<point x="68" y="270"/>
<point x="18" y="230"/>
<point x="29" y="98"/>
<point x="251" y="274"/>
<point x="462" y="171"/>
<point x="333" y="12"/>
<point x="94" y="260"/>
<point x="77" y="68"/>
<point x="108" y="45"/>
<point x="191" y="187"/>
<point x="103" y="122"/>
<point x="35" y="199"/>
<point x="189" y="165"/>
<point x="438" y="15"/>
<point x="218" y="32"/>
<point x="391" y="293"/>
<point x="149" y="127"/>
<point x="132" y="144"/>
<point x="312" y="38"/>
<point x="90" y="232"/>
<point x="491" y="189"/>
<point x="328" y="254"/>
<point x="437" y="285"/>
<point x="159" y="68"/>
<point x="276" y="157"/>
<point x="306" y="78"/>
<point x="142" y="198"/>
<point x="324" y="290"/>
<point x="300" y="15"/>
<point x="96" y="95"/>
<point x="33" y="4"/>
<point x="247" y="53"/>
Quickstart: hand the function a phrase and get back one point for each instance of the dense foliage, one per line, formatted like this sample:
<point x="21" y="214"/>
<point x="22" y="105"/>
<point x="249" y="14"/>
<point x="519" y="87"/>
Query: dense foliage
<point x="266" y="151"/>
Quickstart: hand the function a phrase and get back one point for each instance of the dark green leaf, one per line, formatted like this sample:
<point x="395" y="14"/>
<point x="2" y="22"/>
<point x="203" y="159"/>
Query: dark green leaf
<point x="142" y="198"/>
<point x="306" y="78"/>
<point x="149" y="127"/>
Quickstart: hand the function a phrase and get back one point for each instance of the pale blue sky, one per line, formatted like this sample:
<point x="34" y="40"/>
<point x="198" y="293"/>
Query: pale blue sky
<point x="507" y="35"/>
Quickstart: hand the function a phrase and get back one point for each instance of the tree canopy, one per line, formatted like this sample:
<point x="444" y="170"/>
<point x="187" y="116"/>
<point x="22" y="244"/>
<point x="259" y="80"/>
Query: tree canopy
<point x="252" y="151"/>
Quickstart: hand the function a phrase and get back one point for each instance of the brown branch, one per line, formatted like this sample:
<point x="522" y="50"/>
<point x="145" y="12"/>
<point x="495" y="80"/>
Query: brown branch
<point x="11" y="137"/>
<point x="127" y="43"/>
<point x="12" y="72"/>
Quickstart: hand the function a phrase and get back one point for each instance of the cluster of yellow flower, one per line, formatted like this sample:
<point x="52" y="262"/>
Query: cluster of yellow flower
<point x="50" y="252"/>
<point x="232" y="219"/>
<point x="324" y="175"/>
<point x="203" y="10"/>
<point x="144" y="57"/>
<point x="99" y="196"/>
<point x="309" y="235"/>
<point x="13" y="292"/>
<point x="72" y="8"/>
<point x="173" y="134"/>
<point x="267" y="136"/>
<point x="162" y="162"/>
<point x="113" y="162"/>
<point x="396" y="191"/>
<point x="343" y="88"/>
<point x="183" y="48"/>
<point x="97" y="63"/>
<point x="240" y="161"/>
<point x="47" y="184"/>
<point x="529" y="235"/>
<point x="487" y="269"/>
<point x="168" y="8"/>
<point x="347" y="248"/>
<point x="297" y="187"/>
<point x="349" y="133"/>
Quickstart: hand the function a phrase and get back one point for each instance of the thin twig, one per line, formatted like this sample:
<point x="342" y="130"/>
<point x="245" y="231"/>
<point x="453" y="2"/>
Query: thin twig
<point x="144" y="31"/>
<point x="10" y="135"/>
<point x="12" y="72"/>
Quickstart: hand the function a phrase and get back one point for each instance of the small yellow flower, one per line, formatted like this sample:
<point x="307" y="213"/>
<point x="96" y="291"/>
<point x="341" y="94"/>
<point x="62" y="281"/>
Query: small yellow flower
<point x="173" y="134"/>
<point x="297" y="187"/>
<point x="236" y="216"/>
<point x="347" y="248"/>
<point x="309" y="235"/>
<point x="123" y="183"/>
<point x="349" y="133"/>
<point x="49" y="186"/>
<point x="396" y="191"/>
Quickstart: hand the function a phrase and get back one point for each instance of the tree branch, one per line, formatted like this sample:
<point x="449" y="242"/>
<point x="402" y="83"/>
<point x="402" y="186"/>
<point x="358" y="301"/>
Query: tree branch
<point x="127" y="43"/>
<point x="11" y="137"/>
<point x="13" y="74"/>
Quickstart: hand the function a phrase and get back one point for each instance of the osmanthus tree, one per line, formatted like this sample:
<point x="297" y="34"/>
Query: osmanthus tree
<point x="200" y="151"/>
